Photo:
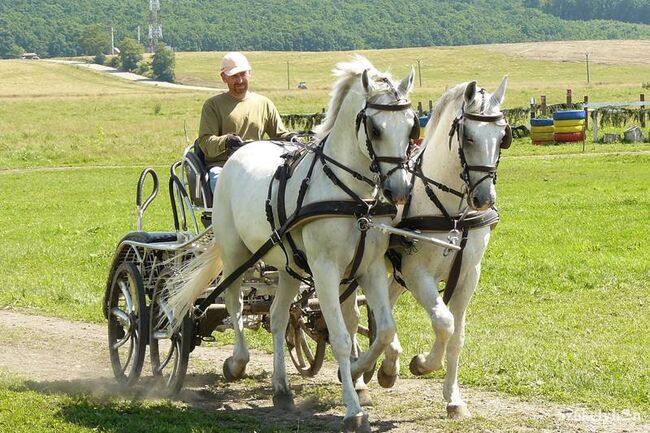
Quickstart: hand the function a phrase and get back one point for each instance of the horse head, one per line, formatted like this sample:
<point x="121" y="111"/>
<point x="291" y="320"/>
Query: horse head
<point x="385" y="127"/>
<point x="373" y="110"/>
<point x="481" y="131"/>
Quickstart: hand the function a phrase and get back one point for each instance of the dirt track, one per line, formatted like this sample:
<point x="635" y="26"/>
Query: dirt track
<point x="32" y="349"/>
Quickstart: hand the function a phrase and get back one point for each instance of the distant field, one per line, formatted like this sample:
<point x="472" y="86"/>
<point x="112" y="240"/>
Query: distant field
<point x="53" y="114"/>
<point x="441" y="68"/>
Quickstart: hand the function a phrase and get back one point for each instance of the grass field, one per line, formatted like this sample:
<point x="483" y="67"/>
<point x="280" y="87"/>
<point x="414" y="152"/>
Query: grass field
<point x="562" y="308"/>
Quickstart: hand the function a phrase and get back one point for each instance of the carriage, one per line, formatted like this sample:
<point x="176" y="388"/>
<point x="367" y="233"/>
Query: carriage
<point x="135" y="298"/>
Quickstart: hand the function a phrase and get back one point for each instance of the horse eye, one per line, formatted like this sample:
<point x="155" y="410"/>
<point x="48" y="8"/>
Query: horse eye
<point x="376" y="132"/>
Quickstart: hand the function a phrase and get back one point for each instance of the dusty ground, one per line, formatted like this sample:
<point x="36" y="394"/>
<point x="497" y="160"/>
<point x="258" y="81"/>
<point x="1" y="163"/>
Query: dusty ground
<point x="604" y="52"/>
<point x="31" y="348"/>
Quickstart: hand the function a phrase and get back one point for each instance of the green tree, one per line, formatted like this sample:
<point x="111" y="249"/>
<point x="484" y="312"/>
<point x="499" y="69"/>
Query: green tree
<point x="94" y="40"/>
<point x="130" y="54"/>
<point x="163" y="63"/>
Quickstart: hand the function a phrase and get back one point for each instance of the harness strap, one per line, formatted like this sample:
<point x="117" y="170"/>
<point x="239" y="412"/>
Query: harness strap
<point x="454" y="272"/>
<point x="439" y="223"/>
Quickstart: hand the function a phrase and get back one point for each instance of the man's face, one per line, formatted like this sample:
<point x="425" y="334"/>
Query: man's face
<point x="237" y="84"/>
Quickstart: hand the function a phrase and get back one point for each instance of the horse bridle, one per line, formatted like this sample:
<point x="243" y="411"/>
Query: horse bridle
<point x="458" y="129"/>
<point x="362" y="117"/>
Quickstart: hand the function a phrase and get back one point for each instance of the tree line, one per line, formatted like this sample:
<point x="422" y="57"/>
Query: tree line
<point x="63" y="27"/>
<point x="633" y="11"/>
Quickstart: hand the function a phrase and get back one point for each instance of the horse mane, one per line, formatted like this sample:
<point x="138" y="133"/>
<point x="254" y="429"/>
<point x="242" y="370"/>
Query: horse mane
<point x="348" y="74"/>
<point x="455" y="97"/>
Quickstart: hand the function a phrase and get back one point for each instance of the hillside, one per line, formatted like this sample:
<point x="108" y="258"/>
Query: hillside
<point x="55" y="28"/>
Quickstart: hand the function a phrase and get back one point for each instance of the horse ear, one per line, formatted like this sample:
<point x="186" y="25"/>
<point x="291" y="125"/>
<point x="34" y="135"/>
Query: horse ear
<point x="470" y="91"/>
<point x="406" y="85"/>
<point x="365" y="80"/>
<point x="500" y="94"/>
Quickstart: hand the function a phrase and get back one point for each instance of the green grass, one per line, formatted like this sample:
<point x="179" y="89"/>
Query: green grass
<point x="30" y="408"/>
<point x="562" y="307"/>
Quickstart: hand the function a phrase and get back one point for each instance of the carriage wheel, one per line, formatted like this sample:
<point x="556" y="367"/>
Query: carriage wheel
<point x="127" y="323"/>
<point x="369" y="330"/>
<point x="306" y="345"/>
<point x="169" y="350"/>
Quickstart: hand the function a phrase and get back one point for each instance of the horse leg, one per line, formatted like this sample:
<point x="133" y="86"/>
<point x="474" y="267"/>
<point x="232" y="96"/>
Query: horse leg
<point x="424" y="286"/>
<point x="235" y="366"/>
<point x="394" y="349"/>
<point x="375" y="286"/>
<point x="284" y="295"/>
<point x="326" y="279"/>
<point x="350" y="311"/>
<point x="456" y="407"/>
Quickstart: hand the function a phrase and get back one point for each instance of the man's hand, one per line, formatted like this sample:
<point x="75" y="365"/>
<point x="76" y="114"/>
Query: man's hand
<point x="233" y="142"/>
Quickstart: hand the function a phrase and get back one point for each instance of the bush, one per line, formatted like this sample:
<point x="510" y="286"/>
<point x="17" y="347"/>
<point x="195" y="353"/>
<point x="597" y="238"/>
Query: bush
<point x="100" y="58"/>
<point x="114" y="62"/>
<point x="163" y="63"/>
<point x="144" y="68"/>
<point x="130" y="54"/>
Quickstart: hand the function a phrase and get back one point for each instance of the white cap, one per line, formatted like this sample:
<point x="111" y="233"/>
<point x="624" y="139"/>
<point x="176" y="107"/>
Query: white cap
<point x="234" y="63"/>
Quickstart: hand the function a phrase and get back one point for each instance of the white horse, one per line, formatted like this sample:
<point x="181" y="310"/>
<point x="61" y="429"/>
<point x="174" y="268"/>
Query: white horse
<point x="365" y="135"/>
<point x="452" y="199"/>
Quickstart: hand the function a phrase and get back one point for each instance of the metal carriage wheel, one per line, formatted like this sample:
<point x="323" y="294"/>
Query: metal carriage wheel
<point x="306" y="338"/>
<point x="127" y="323"/>
<point x="169" y="350"/>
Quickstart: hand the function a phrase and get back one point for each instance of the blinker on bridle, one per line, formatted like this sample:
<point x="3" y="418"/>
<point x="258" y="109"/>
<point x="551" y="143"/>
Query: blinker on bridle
<point x="362" y="117"/>
<point x="457" y="128"/>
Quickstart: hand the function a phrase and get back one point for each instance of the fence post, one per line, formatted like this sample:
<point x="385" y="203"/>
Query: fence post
<point x="642" y="99"/>
<point x="419" y="108"/>
<point x="586" y="101"/>
<point x="533" y="108"/>
<point x="569" y="97"/>
<point x="542" y="100"/>
<point x="430" y="107"/>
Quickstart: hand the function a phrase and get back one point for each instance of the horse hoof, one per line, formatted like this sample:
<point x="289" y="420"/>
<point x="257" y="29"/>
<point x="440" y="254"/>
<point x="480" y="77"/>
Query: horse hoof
<point x="283" y="401"/>
<point x="228" y="374"/>
<point x="458" y="411"/>
<point x="364" y="397"/>
<point x="385" y="380"/>
<point x="416" y="366"/>
<point x="356" y="424"/>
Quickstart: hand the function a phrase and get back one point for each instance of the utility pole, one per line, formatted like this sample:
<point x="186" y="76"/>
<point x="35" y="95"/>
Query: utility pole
<point x="138" y="34"/>
<point x="587" y="57"/>
<point x="288" y="85"/>
<point x="419" y="71"/>
<point x="112" y="42"/>
<point x="155" y="28"/>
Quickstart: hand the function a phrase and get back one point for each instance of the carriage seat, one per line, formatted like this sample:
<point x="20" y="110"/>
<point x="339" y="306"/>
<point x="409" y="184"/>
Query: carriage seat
<point x="196" y="174"/>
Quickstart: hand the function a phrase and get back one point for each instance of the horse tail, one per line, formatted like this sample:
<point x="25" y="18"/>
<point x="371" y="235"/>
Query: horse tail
<point x="194" y="277"/>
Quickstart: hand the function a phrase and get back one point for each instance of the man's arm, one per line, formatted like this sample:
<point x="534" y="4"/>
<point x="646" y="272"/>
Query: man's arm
<point x="275" y="126"/>
<point x="211" y="141"/>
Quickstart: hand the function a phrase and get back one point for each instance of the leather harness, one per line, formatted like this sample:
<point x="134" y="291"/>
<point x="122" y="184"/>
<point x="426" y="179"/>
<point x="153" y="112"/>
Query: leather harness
<point x="357" y="207"/>
<point x="459" y="225"/>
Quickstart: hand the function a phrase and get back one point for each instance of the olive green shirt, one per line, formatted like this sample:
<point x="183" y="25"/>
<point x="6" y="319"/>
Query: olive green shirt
<point x="249" y="118"/>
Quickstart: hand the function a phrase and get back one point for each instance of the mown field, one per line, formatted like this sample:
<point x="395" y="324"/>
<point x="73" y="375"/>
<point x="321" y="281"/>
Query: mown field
<point x="562" y="310"/>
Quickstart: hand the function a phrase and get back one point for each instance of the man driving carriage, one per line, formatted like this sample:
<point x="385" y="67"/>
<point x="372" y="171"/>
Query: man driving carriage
<point x="235" y="116"/>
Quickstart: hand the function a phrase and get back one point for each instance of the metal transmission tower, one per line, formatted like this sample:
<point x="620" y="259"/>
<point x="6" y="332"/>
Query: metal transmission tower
<point x="155" y="29"/>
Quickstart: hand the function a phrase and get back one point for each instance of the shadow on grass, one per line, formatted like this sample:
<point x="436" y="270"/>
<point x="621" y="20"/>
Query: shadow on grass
<point x="206" y="404"/>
